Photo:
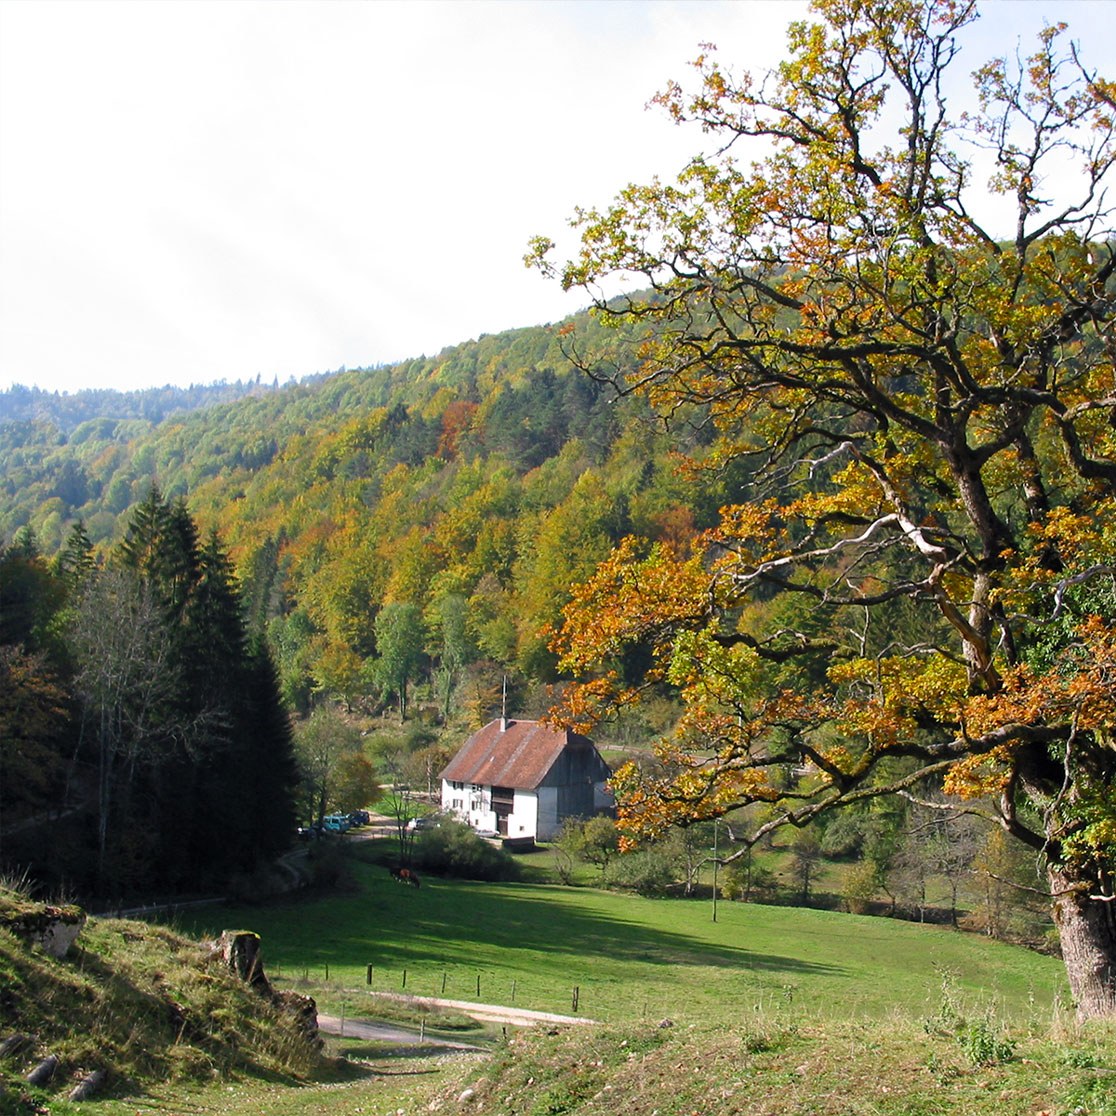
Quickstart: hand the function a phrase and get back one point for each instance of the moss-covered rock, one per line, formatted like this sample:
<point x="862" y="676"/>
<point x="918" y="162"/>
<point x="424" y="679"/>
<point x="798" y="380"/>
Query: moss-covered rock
<point x="54" y="929"/>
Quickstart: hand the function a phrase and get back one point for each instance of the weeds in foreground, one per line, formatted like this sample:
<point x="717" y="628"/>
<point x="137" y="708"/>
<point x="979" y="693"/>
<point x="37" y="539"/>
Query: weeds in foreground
<point x="981" y="1039"/>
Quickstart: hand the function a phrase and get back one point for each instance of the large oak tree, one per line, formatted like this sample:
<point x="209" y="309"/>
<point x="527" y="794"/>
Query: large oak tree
<point x="896" y="321"/>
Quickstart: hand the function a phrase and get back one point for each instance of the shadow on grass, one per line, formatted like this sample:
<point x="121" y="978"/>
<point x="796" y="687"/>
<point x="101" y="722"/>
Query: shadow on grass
<point x="446" y="922"/>
<point x="515" y="916"/>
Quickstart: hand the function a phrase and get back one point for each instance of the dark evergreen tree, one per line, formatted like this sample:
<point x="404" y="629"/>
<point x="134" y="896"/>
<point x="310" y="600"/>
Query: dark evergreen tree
<point x="141" y="547"/>
<point x="201" y="785"/>
<point x="75" y="560"/>
<point x="267" y="758"/>
<point x="260" y="588"/>
<point x="230" y="792"/>
<point x="161" y="545"/>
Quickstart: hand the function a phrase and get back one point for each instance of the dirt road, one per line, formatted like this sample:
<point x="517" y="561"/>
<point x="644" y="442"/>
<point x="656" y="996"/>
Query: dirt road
<point x="488" y="1013"/>
<point x="403" y="1037"/>
<point x="388" y="1033"/>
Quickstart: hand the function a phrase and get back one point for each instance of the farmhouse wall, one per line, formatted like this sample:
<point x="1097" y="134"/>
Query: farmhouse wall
<point x="524" y="818"/>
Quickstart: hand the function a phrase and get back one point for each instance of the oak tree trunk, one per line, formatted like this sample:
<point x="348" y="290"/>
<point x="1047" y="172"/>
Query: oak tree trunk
<point x="1087" y="929"/>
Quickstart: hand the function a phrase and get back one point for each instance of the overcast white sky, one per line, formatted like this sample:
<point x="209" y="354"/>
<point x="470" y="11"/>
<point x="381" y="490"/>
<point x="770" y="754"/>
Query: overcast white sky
<point x="204" y="190"/>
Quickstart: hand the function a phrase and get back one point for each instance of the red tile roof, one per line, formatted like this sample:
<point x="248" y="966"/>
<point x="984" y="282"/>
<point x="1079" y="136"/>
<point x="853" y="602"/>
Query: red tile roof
<point x="518" y="755"/>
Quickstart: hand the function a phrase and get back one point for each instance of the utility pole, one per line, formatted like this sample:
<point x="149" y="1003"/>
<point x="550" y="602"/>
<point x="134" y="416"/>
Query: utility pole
<point x="716" y="864"/>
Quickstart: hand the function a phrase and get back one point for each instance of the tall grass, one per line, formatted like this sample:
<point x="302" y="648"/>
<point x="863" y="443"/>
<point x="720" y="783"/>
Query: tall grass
<point x="139" y="1002"/>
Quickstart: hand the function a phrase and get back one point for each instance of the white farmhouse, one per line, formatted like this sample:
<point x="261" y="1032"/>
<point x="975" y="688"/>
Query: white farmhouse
<point x="522" y="779"/>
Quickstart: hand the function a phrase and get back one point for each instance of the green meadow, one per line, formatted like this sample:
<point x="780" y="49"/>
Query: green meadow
<point x="532" y="945"/>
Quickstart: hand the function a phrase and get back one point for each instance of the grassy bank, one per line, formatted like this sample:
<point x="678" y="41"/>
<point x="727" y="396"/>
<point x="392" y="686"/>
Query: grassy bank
<point x="778" y="1066"/>
<point x="769" y="1066"/>
<point x="137" y="1004"/>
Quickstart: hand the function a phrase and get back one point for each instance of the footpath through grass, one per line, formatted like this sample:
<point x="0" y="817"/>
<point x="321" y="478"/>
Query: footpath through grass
<point x="629" y="959"/>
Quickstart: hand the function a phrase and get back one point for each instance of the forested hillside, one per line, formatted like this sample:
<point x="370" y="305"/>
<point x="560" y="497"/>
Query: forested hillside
<point x="68" y="410"/>
<point x="443" y="506"/>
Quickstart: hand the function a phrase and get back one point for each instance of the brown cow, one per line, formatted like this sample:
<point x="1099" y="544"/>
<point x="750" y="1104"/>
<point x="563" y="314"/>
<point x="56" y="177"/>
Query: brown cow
<point x="405" y="875"/>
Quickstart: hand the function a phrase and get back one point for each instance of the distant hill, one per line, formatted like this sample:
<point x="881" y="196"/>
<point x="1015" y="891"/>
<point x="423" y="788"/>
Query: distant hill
<point x="68" y="410"/>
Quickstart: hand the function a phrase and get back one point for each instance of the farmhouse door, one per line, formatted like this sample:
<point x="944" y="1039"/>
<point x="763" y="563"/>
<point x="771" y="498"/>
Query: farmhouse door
<point x="503" y="803"/>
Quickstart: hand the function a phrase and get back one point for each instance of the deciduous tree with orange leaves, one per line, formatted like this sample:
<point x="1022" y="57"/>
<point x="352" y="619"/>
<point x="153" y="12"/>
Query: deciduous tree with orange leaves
<point x="896" y="319"/>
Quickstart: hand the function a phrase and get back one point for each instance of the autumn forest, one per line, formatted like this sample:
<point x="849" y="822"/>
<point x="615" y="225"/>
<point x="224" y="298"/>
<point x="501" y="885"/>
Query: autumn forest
<point x="403" y="539"/>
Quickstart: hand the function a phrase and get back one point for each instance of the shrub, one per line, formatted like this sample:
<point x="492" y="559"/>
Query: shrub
<point x="328" y="863"/>
<point x="860" y="887"/>
<point x="594" y="840"/>
<point x="745" y="881"/>
<point x="453" y="849"/>
<point x="983" y="1045"/>
<point x="648" y="872"/>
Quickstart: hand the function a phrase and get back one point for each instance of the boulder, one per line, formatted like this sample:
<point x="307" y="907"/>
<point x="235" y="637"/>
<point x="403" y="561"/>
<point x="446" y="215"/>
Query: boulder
<point x="16" y="1044"/>
<point x="44" y="1071"/>
<point x="54" y="929"/>
<point x="88" y="1086"/>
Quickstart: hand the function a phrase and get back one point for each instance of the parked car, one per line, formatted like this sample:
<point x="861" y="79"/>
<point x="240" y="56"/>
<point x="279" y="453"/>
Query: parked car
<point x="359" y="817"/>
<point x="336" y="823"/>
<point x="425" y="821"/>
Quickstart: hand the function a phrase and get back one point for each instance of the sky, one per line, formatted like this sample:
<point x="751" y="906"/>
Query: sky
<point x="219" y="189"/>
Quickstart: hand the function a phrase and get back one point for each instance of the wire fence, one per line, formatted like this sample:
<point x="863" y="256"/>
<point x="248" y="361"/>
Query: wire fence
<point x="581" y="997"/>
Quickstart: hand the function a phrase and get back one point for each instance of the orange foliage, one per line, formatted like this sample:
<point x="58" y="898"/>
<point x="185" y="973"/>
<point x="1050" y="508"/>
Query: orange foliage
<point x="628" y="598"/>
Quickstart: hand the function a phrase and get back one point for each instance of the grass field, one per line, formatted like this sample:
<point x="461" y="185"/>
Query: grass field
<point x="774" y="1011"/>
<point x="629" y="958"/>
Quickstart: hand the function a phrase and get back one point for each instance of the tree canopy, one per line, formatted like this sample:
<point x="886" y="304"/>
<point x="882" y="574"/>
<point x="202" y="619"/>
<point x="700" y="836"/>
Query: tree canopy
<point x="917" y="589"/>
